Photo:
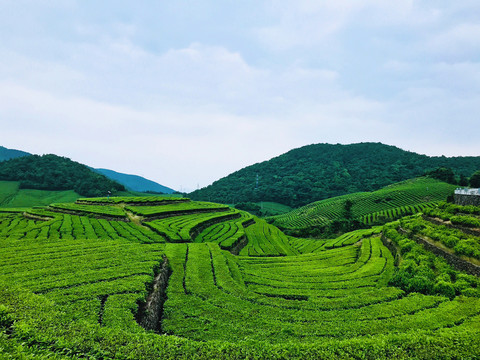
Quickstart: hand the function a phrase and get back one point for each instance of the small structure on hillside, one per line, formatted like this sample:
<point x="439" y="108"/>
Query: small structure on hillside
<point x="467" y="197"/>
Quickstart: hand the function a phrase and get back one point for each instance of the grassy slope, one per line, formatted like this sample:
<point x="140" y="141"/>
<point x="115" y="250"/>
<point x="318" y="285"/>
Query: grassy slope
<point x="273" y="208"/>
<point x="406" y="193"/>
<point x="13" y="197"/>
<point x="331" y="304"/>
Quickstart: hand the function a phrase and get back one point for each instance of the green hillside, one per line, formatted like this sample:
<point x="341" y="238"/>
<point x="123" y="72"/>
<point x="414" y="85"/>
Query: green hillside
<point x="151" y="277"/>
<point x="368" y="208"/>
<point x="11" y="196"/>
<point x="51" y="172"/>
<point x="321" y="171"/>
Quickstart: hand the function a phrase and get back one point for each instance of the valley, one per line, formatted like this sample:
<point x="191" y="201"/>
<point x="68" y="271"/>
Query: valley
<point x="381" y="274"/>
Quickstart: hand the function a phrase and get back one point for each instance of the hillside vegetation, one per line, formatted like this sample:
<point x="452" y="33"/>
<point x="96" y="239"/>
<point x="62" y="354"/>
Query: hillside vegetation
<point x="366" y="208"/>
<point x="51" y="172"/>
<point x="156" y="277"/>
<point x="316" y="172"/>
<point x="11" y="196"/>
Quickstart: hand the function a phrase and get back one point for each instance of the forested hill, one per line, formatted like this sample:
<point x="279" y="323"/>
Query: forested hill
<point x="7" y="154"/>
<point x="52" y="172"/>
<point x="320" y="171"/>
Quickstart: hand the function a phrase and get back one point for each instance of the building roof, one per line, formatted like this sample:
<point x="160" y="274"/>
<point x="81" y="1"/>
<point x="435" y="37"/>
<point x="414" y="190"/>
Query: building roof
<point x="460" y="191"/>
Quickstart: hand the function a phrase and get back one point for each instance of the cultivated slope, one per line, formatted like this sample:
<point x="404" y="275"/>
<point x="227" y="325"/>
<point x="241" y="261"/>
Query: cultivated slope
<point x="393" y="201"/>
<point x="321" y="171"/>
<point x="11" y="196"/>
<point x="146" y="278"/>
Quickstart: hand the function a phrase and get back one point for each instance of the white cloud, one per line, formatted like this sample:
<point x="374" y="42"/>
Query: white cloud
<point x="196" y="147"/>
<point x="306" y="23"/>
<point x="190" y="105"/>
<point x="459" y="41"/>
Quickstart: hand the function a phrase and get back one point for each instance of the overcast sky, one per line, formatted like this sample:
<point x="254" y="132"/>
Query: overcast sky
<point x="185" y="92"/>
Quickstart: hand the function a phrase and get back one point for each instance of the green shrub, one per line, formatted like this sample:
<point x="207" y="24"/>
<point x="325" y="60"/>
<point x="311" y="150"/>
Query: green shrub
<point x="464" y="248"/>
<point x="450" y="241"/>
<point x="471" y="292"/>
<point x="406" y="245"/>
<point x="444" y="288"/>
<point x="422" y="284"/>
<point x="461" y="285"/>
<point x="6" y="320"/>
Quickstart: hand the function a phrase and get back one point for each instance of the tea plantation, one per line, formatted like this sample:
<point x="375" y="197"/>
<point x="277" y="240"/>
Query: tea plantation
<point x="370" y="208"/>
<point x="169" y="278"/>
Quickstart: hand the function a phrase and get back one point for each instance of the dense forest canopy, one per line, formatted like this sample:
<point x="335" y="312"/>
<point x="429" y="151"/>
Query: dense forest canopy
<point x="52" y="172"/>
<point x="320" y="171"/>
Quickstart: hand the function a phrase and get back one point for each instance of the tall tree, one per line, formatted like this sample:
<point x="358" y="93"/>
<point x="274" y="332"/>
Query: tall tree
<point x="475" y="180"/>
<point x="443" y="174"/>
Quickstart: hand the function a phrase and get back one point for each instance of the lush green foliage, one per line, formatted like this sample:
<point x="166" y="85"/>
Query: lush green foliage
<point x="71" y="286"/>
<point x="89" y="209"/>
<point x="71" y="227"/>
<point x="391" y="202"/>
<point x="264" y="208"/>
<point x="457" y="239"/>
<point x="322" y="171"/>
<point x="443" y="174"/>
<point x="268" y="208"/>
<point x="8" y="190"/>
<point x="51" y="172"/>
<point x="448" y="209"/>
<point x="173" y="208"/>
<point x="150" y="199"/>
<point x="265" y="239"/>
<point x="475" y="180"/>
<point x="422" y="272"/>
<point x="252" y="208"/>
<point x="11" y="196"/>
<point x="226" y="233"/>
<point x="84" y="271"/>
<point x="42" y="330"/>
<point x="180" y="228"/>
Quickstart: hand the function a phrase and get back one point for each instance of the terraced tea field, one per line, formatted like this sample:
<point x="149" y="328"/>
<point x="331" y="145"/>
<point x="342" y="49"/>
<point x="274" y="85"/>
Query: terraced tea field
<point x="389" y="203"/>
<point x="190" y="280"/>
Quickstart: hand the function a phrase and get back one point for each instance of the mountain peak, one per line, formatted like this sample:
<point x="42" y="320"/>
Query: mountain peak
<point x="319" y="171"/>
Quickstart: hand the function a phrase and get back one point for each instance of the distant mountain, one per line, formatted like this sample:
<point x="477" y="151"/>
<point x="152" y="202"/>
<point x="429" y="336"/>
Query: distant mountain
<point x="7" y="154"/>
<point x="52" y="172"/>
<point x="135" y="182"/>
<point x="316" y="172"/>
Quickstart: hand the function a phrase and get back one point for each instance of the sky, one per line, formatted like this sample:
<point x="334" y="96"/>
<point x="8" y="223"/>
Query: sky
<point x="185" y="92"/>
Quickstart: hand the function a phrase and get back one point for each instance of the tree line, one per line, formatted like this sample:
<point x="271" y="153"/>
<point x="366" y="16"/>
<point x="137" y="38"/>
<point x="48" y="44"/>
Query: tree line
<point x="321" y="171"/>
<point x="52" y="172"/>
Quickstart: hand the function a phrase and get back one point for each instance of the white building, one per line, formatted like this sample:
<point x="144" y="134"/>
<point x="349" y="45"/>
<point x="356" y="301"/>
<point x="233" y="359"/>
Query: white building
<point x="467" y="197"/>
<point x="460" y="191"/>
